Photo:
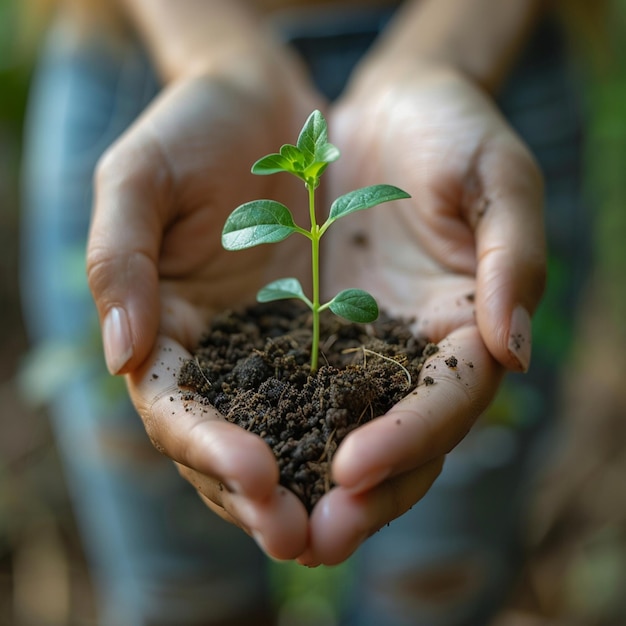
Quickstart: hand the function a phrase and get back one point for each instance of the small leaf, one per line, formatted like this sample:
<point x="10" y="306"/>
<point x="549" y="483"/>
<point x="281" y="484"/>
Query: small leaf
<point x="292" y="154"/>
<point x="314" y="171"/>
<point x="313" y="136"/>
<point x="271" y="164"/>
<point x="328" y="153"/>
<point x="354" y="305"/>
<point x="364" y="198"/>
<point x="282" y="289"/>
<point x="313" y="141"/>
<point x="257" y="222"/>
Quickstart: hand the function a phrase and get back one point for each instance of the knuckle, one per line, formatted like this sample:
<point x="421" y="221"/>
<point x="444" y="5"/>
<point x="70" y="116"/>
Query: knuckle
<point x="107" y="166"/>
<point x="99" y="260"/>
<point x="516" y="172"/>
<point x="116" y="164"/>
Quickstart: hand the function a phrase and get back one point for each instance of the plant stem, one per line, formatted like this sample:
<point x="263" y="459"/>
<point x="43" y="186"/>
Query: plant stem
<point x="315" y="270"/>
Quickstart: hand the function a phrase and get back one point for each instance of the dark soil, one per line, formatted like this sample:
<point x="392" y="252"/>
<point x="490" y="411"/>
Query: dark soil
<point x="253" y="366"/>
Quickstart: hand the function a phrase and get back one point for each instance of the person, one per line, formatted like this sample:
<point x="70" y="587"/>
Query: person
<point x="170" y="119"/>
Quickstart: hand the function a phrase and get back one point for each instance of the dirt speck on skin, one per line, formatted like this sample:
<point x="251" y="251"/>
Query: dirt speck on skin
<point x="253" y="367"/>
<point x="360" y="240"/>
<point x="517" y="340"/>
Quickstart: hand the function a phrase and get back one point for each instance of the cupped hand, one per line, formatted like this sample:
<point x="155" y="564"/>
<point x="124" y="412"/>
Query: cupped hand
<point x="158" y="272"/>
<point x="464" y="257"/>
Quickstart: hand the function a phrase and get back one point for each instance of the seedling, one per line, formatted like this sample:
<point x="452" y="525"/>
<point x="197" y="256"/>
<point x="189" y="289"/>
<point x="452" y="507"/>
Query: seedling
<point x="268" y="221"/>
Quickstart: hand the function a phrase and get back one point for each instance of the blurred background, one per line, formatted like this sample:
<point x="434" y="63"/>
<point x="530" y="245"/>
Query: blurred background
<point x="576" y="529"/>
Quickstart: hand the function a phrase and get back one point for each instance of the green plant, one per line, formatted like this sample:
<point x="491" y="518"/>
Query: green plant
<point x="268" y="221"/>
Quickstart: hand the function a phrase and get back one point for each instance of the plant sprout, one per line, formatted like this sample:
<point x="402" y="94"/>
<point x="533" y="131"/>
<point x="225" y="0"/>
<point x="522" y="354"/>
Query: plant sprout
<point x="268" y="221"/>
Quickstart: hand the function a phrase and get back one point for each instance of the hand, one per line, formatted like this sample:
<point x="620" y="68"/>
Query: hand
<point x="158" y="272"/>
<point x="464" y="257"/>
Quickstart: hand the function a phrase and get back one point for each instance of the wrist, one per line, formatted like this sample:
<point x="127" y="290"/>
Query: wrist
<point x="477" y="38"/>
<point x="190" y="38"/>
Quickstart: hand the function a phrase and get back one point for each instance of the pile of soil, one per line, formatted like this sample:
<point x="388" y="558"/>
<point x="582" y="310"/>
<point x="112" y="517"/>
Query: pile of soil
<point x="253" y="367"/>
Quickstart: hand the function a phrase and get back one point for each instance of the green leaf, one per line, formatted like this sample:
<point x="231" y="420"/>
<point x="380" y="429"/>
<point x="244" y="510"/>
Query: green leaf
<point x="354" y="305"/>
<point x="282" y="289"/>
<point x="257" y="222"/>
<point x="364" y="198"/>
<point x="313" y="141"/>
<point x="328" y="153"/>
<point x="291" y="159"/>
<point x="314" y="171"/>
<point x="293" y="155"/>
<point x="271" y="164"/>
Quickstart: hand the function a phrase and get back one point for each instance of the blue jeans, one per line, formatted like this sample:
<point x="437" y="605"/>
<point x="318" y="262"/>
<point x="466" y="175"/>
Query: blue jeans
<point x="157" y="555"/>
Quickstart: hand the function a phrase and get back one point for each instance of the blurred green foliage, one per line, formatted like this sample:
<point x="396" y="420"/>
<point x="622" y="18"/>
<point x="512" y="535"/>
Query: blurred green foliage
<point x="605" y="156"/>
<point x="14" y="68"/>
<point x="14" y="77"/>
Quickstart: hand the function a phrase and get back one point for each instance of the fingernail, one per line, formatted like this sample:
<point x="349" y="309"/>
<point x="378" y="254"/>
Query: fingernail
<point x="520" y="333"/>
<point x="233" y="486"/>
<point x="241" y="508"/>
<point x="260" y="541"/>
<point x="246" y="516"/>
<point x="371" y="480"/>
<point x="118" y="346"/>
<point x="306" y="559"/>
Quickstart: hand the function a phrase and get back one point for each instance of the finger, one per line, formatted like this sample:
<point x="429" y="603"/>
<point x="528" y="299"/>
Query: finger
<point x="343" y="520"/>
<point x="194" y="434"/>
<point x="131" y="188"/>
<point x="279" y="523"/>
<point x="455" y="386"/>
<point x="221" y="512"/>
<point x="209" y="487"/>
<point x="510" y="244"/>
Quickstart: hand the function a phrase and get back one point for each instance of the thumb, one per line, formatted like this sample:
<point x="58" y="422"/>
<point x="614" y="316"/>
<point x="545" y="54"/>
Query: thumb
<point x="123" y="250"/>
<point x="511" y="253"/>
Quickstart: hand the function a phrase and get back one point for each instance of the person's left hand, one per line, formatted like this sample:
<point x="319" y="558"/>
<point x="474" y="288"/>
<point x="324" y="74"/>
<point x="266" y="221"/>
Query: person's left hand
<point x="464" y="257"/>
<point x="158" y="274"/>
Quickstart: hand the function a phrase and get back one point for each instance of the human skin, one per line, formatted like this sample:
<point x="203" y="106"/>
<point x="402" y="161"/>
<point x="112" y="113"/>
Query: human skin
<point x="465" y="256"/>
<point x="439" y="257"/>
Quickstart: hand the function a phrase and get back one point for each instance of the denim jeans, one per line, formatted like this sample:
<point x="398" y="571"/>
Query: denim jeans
<point x="158" y="556"/>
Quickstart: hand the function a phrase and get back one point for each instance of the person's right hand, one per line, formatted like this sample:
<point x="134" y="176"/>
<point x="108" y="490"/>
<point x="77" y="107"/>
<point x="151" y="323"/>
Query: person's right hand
<point x="464" y="258"/>
<point x="158" y="272"/>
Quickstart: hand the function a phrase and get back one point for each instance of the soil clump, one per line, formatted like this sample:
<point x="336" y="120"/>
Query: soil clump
<point x="253" y="367"/>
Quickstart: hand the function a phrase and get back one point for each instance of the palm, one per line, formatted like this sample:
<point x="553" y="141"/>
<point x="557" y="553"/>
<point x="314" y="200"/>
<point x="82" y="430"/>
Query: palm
<point x="419" y="257"/>
<point x="380" y="251"/>
<point x="208" y="138"/>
